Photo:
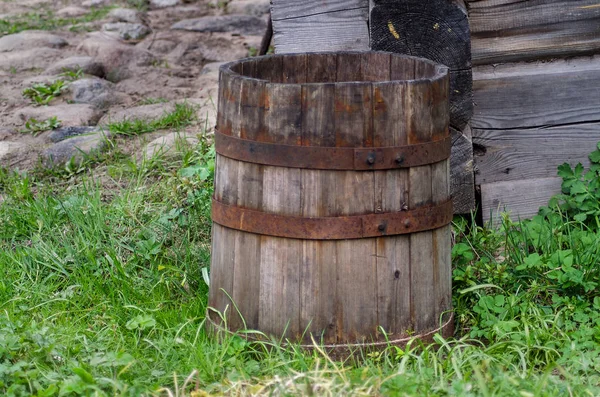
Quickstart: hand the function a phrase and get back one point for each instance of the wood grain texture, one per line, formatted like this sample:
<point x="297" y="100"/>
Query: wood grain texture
<point x="420" y="193"/>
<point x="441" y="244"/>
<point x="462" y="172"/>
<point x="247" y="247"/>
<point x="514" y="155"/>
<point x="532" y="117"/>
<point x="391" y="195"/>
<point x="521" y="198"/>
<point x="436" y="30"/>
<point x="318" y="282"/>
<point x="279" y="299"/>
<point x="329" y="26"/>
<point x="535" y="95"/>
<point x="356" y="306"/>
<point x="285" y="9"/>
<point x="223" y="252"/>
<point x="514" y="30"/>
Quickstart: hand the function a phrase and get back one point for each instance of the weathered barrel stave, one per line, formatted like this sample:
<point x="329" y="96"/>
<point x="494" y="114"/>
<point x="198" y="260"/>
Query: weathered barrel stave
<point x="340" y="291"/>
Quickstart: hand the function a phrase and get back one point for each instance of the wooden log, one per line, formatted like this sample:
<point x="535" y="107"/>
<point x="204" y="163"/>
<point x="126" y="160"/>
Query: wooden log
<point x="530" y="118"/>
<point x="337" y="291"/>
<point x="462" y="175"/>
<point x="522" y="199"/>
<point x="436" y="30"/>
<point x="320" y="26"/>
<point x="517" y="154"/>
<point x="515" y="30"/>
<point x="536" y="94"/>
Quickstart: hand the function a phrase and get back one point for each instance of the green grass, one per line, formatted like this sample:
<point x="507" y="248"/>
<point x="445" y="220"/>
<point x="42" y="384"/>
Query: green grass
<point x="152" y="101"/>
<point x="46" y="20"/>
<point x="43" y="93"/>
<point x="104" y="293"/>
<point x="35" y="127"/>
<point x="72" y="75"/>
<point x="183" y="115"/>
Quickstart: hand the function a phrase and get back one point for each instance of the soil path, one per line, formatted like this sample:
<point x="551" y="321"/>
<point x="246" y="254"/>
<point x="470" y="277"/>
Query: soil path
<point x="70" y="69"/>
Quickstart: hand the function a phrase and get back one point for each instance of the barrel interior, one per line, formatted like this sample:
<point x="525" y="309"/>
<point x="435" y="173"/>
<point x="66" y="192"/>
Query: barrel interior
<point x="338" y="68"/>
<point x="338" y="292"/>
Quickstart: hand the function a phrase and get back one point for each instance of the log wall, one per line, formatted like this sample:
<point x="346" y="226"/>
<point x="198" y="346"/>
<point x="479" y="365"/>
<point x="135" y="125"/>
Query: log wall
<point x="537" y="97"/>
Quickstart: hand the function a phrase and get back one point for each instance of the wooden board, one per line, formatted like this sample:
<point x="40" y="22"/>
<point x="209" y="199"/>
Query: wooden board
<point x="516" y="30"/>
<point x="391" y="195"/>
<point x="535" y="95"/>
<point x="462" y="178"/>
<point x="309" y="26"/>
<point x="285" y="9"/>
<point x="517" y="154"/>
<point x="522" y="198"/>
<point x="529" y="118"/>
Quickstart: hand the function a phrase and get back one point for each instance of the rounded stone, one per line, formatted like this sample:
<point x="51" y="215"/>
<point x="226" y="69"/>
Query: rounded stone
<point x="87" y="65"/>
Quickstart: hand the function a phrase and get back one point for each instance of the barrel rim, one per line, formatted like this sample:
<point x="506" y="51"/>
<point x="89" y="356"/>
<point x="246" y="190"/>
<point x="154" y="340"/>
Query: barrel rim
<point x="441" y="71"/>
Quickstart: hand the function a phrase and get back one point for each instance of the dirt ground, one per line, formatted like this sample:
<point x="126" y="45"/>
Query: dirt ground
<point x="124" y="60"/>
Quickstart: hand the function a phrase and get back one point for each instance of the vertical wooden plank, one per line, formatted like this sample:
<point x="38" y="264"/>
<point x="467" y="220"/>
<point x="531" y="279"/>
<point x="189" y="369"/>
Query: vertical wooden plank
<point x="294" y="69"/>
<point x="356" y="304"/>
<point x="280" y="258"/>
<point x="279" y="295"/>
<point x="249" y="68"/>
<point x="321" y="68"/>
<point x="440" y="106"/>
<point x="353" y="115"/>
<point x="317" y="123"/>
<point x="249" y="187"/>
<point x="391" y="195"/>
<point x="421" y="244"/>
<point x="318" y="269"/>
<point x="348" y="67"/>
<point x="284" y="114"/>
<point x="246" y="284"/>
<point x="252" y="111"/>
<point x="270" y="69"/>
<point x="375" y="67"/>
<point x="223" y="253"/>
<point x="440" y="192"/>
<point x="442" y="258"/>
<point x="402" y="68"/>
<point x="232" y="117"/>
<point x="221" y="268"/>
<point x="223" y="81"/>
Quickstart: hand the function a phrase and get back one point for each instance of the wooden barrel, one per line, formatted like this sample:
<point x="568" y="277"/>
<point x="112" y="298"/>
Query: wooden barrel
<point x="331" y="210"/>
